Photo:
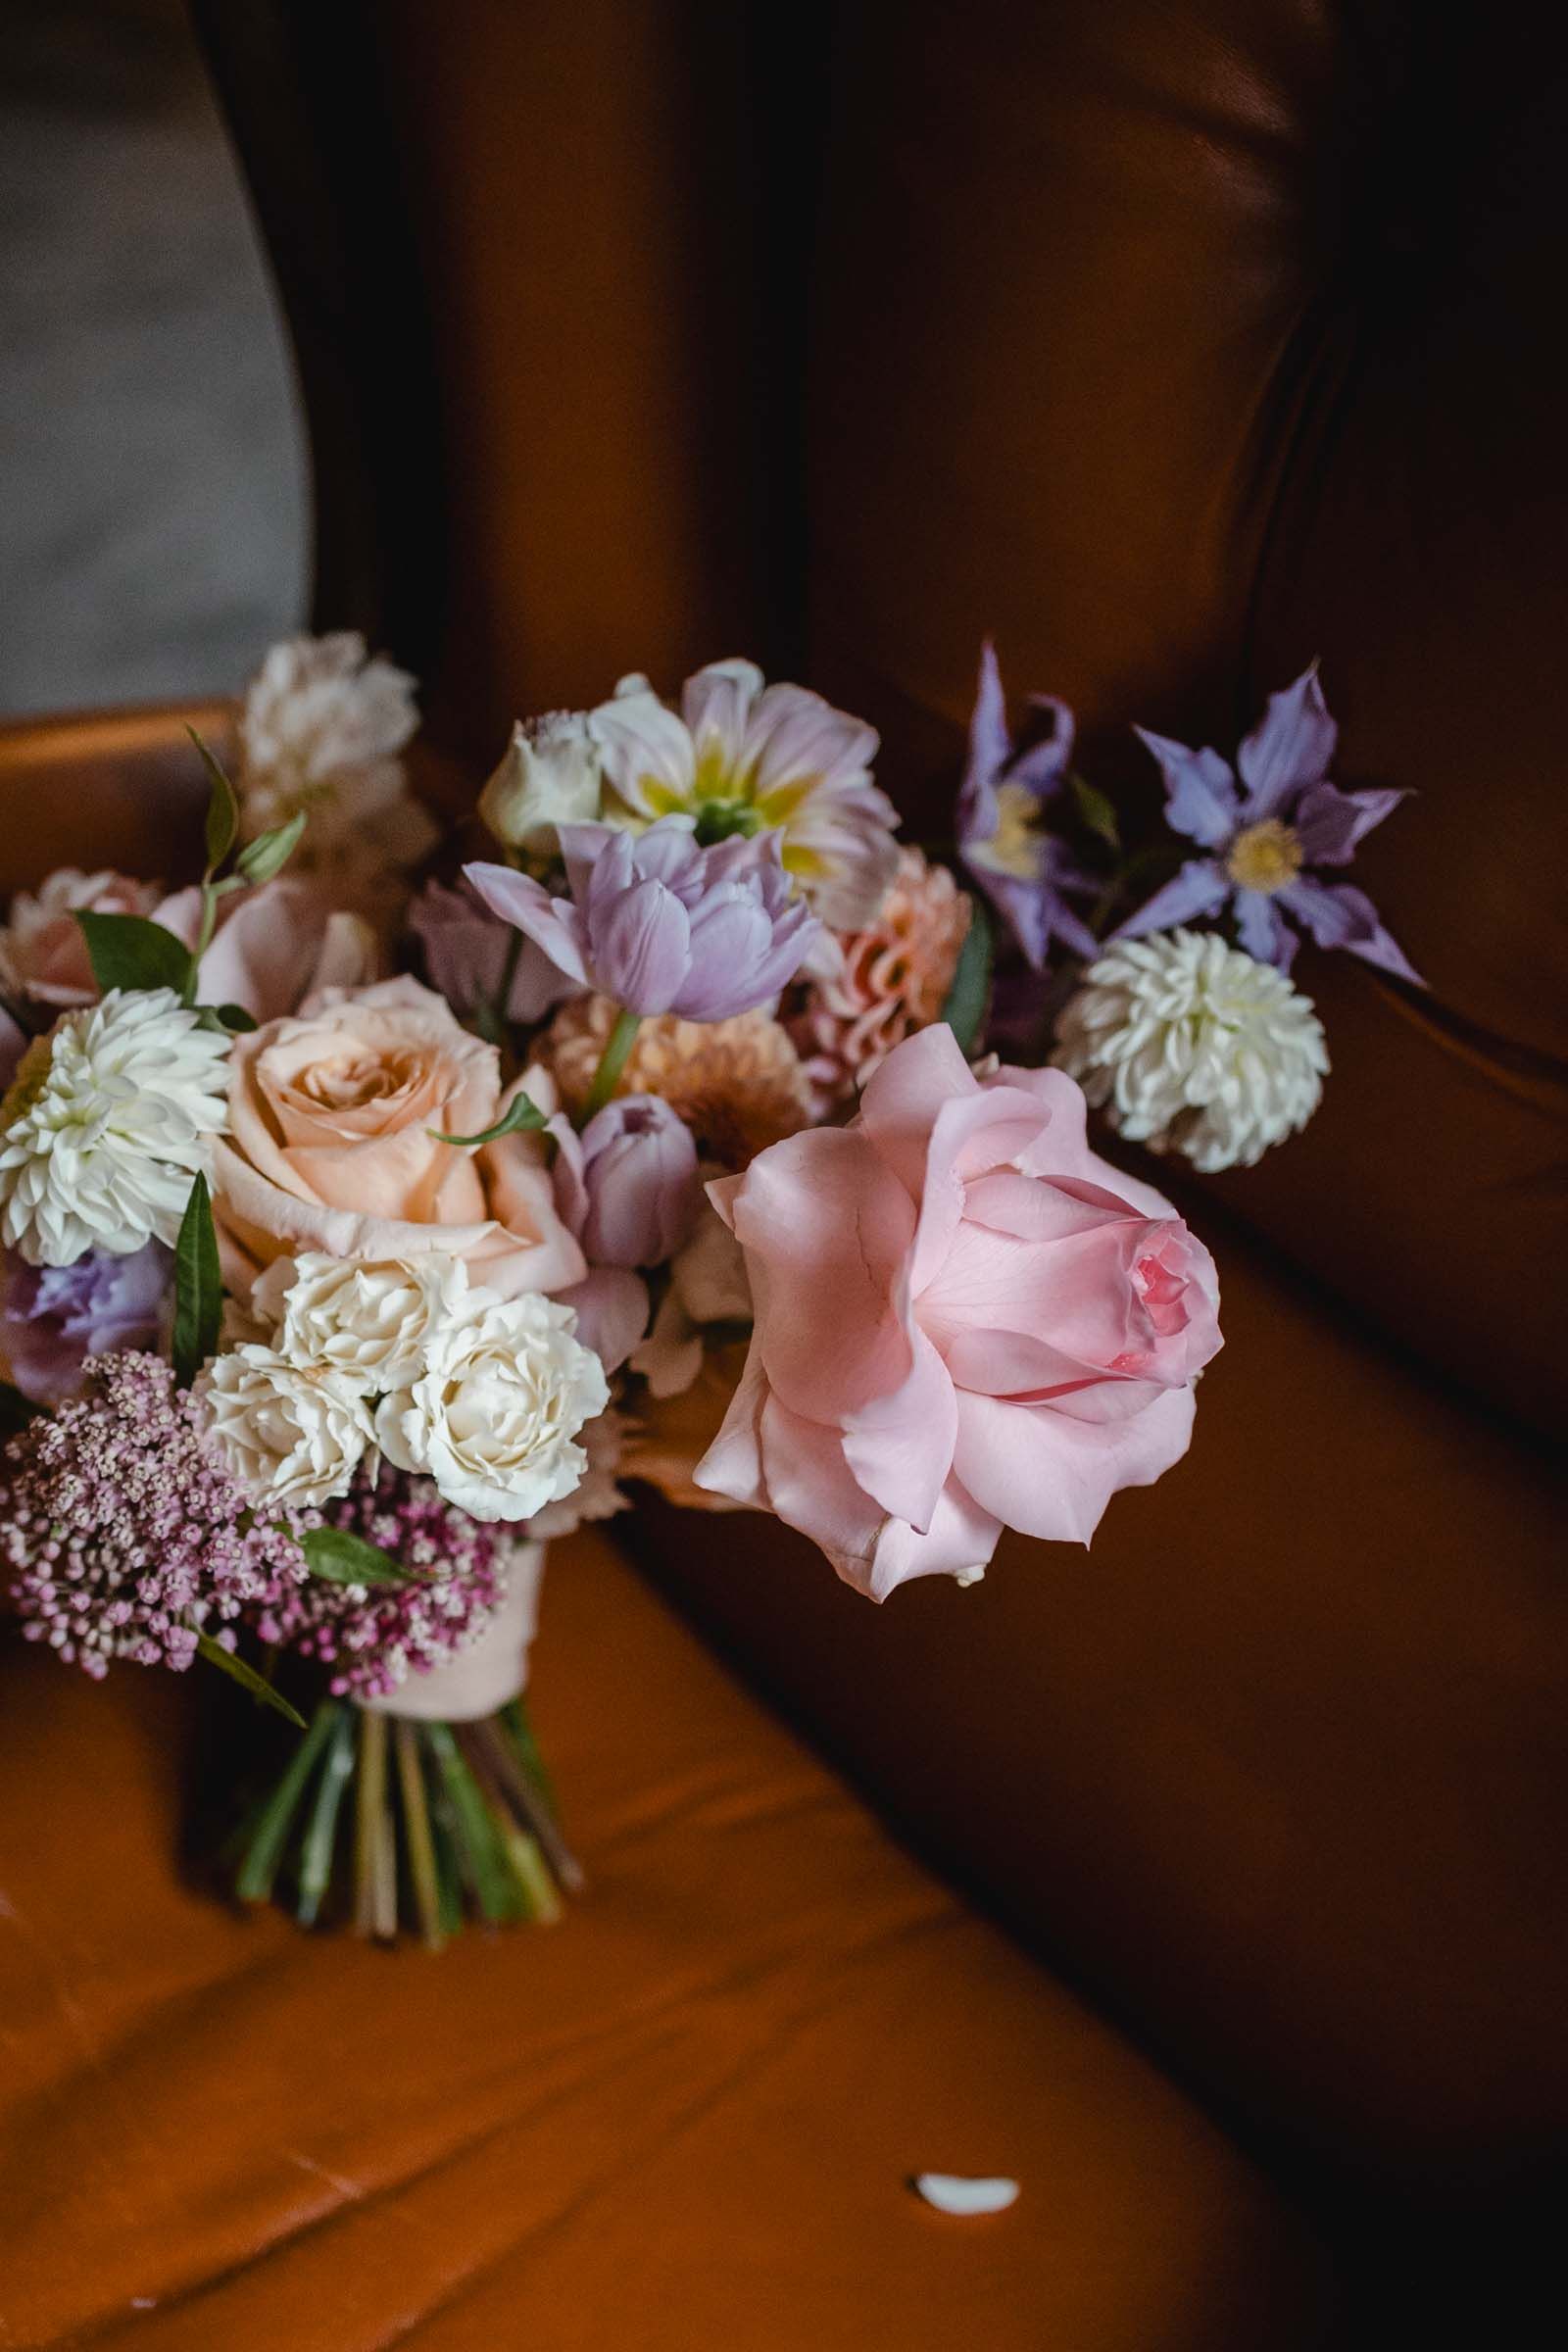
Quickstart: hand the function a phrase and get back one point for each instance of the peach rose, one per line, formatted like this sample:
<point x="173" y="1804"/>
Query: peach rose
<point x="964" y="1321"/>
<point x="330" y="1146"/>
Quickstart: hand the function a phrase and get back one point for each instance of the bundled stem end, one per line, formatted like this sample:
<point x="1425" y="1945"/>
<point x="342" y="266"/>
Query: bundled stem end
<point x="447" y="1823"/>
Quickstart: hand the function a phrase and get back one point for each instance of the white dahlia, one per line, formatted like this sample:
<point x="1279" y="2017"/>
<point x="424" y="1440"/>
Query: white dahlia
<point x="107" y="1120"/>
<point x="1191" y="1045"/>
<point x="598" y="1497"/>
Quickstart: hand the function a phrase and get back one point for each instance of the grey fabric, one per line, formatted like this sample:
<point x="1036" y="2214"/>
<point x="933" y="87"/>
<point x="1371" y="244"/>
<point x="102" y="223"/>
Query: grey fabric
<point x="153" y="529"/>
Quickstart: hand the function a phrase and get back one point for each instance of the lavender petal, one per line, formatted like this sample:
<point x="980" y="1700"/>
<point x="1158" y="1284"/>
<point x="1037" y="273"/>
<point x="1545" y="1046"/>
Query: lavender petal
<point x="1291" y="745"/>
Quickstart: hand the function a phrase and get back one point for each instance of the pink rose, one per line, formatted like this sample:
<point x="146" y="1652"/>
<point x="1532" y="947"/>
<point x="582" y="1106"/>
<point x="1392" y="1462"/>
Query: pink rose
<point x="330" y="1146"/>
<point x="275" y="947"/>
<point x="43" y="955"/>
<point x="964" y="1321"/>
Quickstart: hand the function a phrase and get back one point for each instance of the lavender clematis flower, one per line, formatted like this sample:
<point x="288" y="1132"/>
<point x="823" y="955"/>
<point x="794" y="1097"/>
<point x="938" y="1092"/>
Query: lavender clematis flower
<point x="1001" y="837"/>
<point x="660" y="925"/>
<point x="52" y="1318"/>
<point x="1266" y="832"/>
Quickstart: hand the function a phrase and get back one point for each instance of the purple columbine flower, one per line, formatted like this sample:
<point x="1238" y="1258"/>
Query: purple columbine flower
<point x="52" y="1318"/>
<point x="1022" y="868"/>
<point x="1265" y="835"/>
<point x="661" y="925"/>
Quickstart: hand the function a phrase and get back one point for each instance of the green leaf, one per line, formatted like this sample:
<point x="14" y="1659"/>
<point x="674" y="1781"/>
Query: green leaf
<point x="198" y="1286"/>
<point x="520" y="1115"/>
<point x="129" y="951"/>
<point x="246" y="1676"/>
<point x="342" y="1558"/>
<point x="1095" y="810"/>
<point x="222" y="807"/>
<point x="15" y="1412"/>
<point x="965" y="1008"/>
<point x="264" y="857"/>
<point x="234" y="1017"/>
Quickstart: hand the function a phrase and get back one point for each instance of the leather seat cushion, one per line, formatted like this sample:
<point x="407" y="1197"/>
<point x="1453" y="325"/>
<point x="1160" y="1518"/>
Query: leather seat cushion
<point x="685" y="2117"/>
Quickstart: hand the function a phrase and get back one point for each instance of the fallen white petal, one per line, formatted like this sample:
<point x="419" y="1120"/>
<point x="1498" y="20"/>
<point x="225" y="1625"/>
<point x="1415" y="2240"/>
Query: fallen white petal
<point x="962" y="2192"/>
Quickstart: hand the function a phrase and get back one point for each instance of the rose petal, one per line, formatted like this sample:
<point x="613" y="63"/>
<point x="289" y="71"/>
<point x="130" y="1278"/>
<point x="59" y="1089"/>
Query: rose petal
<point x="967" y="2193"/>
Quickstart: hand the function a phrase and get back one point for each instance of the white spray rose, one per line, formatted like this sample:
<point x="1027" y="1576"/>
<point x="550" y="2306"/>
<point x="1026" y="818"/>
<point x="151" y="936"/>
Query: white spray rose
<point x="598" y="1497"/>
<point x="494" y="1413"/>
<point x="288" y="1434"/>
<point x="373" y="1320"/>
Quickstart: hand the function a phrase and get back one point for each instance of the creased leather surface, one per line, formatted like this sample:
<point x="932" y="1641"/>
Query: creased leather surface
<point x="1280" y="1765"/>
<point x="682" y="2119"/>
<point x="1176" y="345"/>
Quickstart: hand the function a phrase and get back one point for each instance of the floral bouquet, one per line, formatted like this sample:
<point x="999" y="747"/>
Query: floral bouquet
<point x="371" y="1212"/>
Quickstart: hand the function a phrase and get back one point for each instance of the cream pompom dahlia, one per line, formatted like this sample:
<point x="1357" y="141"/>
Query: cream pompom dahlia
<point x="1189" y="1045"/>
<point x="107" y="1122"/>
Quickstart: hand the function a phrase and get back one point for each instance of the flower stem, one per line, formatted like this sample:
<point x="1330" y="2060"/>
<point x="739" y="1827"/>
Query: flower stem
<point x="321" y="1836"/>
<point x="417" y="1827"/>
<point x="371" y="1828"/>
<point x="509" y="974"/>
<point x="204" y="940"/>
<point x="611" y="1062"/>
<point x="265" y="1852"/>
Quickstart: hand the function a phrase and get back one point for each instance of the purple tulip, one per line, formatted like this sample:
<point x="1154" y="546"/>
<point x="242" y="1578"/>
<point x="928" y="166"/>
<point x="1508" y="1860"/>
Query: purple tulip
<point x="466" y="951"/>
<point x="1266" y="832"/>
<point x="1022" y="868"/>
<point x="629" y="1186"/>
<point x="661" y="925"/>
<point x="52" y="1318"/>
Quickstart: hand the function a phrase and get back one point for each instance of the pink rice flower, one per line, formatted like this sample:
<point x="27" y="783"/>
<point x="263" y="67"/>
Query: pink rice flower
<point x="887" y="981"/>
<point x="372" y="1637"/>
<point x="125" y="1534"/>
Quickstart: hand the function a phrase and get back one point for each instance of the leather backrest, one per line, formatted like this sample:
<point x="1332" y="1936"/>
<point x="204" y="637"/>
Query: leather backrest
<point x="1173" y="342"/>
<point x="1177" y="345"/>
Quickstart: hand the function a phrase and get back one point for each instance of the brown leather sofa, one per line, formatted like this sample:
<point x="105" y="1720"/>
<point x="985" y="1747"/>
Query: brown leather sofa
<point x="1211" y="1885"/>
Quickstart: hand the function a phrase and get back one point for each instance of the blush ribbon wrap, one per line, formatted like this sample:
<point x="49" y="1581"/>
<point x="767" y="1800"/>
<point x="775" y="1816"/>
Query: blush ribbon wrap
<point x="490" y="1674"/>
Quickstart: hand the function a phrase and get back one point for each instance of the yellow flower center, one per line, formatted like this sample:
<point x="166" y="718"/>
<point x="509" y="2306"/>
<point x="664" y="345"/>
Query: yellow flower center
<point x="29" y="1085"/>
<point x="1264" y="857"/>
<point x="1015" y="847"/>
